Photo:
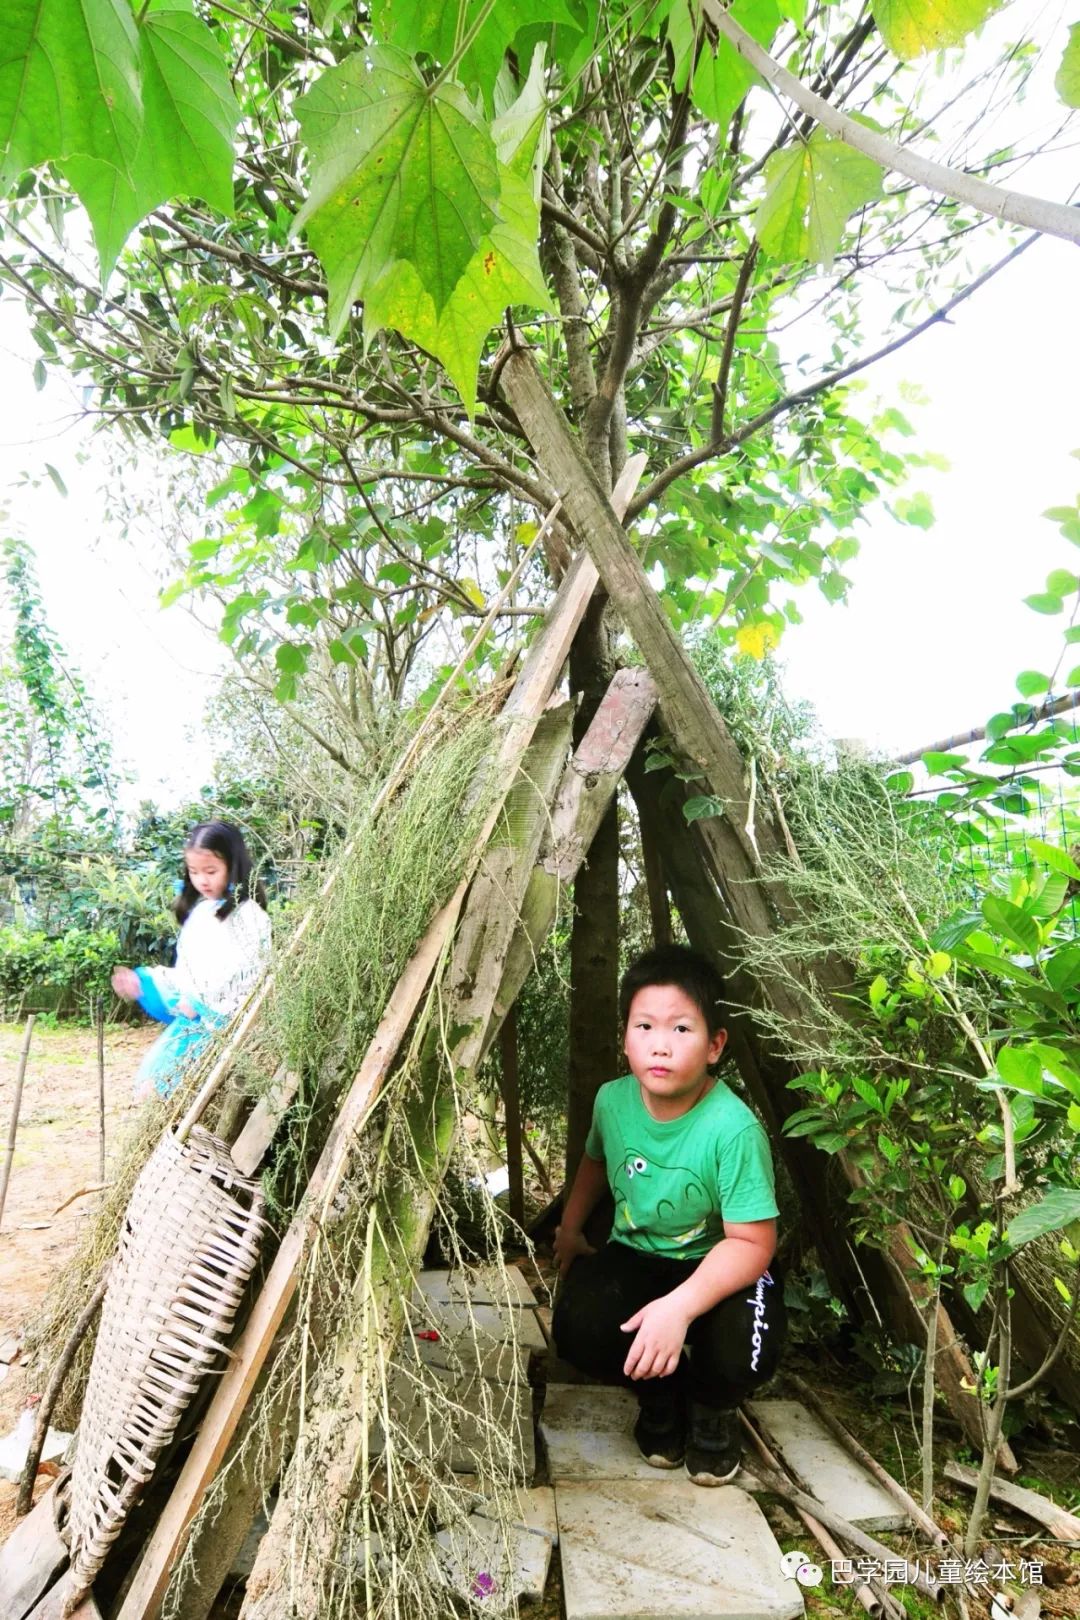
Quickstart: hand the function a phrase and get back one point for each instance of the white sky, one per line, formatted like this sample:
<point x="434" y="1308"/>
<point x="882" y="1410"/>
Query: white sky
<point x="930" y="642"/>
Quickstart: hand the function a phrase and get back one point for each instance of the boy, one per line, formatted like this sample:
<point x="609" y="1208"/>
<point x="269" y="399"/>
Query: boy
<point x="695" y="1228"/>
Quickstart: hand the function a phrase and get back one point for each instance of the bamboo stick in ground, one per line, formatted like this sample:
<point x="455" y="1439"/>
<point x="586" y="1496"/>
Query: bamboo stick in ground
<point x="52" y="1393"/>
<point x="16" y="1105"/>
<point x="779" y="1486"/>
<point x="917" y="1515"/>
<point x="101" y="1086"/>
<point x="864" y="1593"/>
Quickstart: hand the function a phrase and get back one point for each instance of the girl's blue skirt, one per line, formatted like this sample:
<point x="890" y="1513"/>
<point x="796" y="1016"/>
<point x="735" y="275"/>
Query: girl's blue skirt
<point x="183" y="1040"/>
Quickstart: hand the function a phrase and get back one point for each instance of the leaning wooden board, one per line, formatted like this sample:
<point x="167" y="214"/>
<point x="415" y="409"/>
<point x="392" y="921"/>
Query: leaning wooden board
<point x="31" y="1558"/>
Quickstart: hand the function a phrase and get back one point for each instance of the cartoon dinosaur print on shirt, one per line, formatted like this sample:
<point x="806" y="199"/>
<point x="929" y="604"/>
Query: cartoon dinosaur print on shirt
<point x="691" y="1198"/>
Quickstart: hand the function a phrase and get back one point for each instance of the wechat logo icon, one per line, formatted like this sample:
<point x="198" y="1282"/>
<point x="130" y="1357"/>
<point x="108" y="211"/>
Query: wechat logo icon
<point x="798" y="1566"/>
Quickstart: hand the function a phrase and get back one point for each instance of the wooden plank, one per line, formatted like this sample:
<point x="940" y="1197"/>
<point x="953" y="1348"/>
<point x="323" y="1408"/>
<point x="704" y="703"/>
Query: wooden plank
<point x="54" y="1605"/>
<point x="31" y="1558"/>
<point x="523" y="710"/>
<point x="1064" y="1526"/>
<point x="263" y="1121"/>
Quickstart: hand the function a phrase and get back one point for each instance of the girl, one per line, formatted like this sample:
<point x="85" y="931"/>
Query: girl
<point x="223" y="949"/>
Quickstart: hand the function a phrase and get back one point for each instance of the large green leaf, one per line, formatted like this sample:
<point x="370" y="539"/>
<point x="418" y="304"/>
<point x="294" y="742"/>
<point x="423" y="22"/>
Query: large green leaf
<point x="186" y="148"/>
<point x="69" y="83"/>
<point x="910" y="27"/>
<point x="402" y="171"/>
<point x="812" y="189"/>
<point x="1059" y="1207"/>
<point x="1067" y="78"/>
<point x="434" y="26"/>
<point x="1007" y="919"/>
<point x="504" y="270"/>
<point x="722" y="77"/>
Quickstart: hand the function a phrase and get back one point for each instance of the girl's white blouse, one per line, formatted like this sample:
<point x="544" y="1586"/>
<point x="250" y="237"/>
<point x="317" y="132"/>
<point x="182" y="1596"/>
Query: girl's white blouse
<point x="219" y="962"/>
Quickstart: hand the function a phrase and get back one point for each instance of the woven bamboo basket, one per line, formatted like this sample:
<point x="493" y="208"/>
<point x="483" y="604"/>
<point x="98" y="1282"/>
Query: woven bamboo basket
<point x="188" y="1244"/>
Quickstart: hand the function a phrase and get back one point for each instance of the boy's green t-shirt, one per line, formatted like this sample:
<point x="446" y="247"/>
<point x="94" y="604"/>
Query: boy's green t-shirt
<point x="676" y="1181"/>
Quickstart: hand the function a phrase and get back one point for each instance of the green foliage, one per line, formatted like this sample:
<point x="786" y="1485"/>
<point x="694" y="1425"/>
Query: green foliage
<point x="401" y="171"/>
<point x="72" y="969"/>
<point x="55" y="761"/>
<point x="137" y="110"/>
<point x="185" y="146"/>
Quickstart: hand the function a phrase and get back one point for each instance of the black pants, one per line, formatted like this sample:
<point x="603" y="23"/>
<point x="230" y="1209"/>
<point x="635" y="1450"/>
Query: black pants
<point x="734" y="1348"/>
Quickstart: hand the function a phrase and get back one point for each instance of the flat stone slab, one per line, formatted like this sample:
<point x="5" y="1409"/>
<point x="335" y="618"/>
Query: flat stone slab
<point x="589" y="1433"/>
<point x="669" y="1550"/>
<point x="490" y="1559"/>
<point x="465" y="1417"/>
<point x="494" y="1358"/>
<point x="836" y="1479"/>
<point x="488" y="1286"/>
<point x="15" y="1447"/>
<point x="488" y="1324"/>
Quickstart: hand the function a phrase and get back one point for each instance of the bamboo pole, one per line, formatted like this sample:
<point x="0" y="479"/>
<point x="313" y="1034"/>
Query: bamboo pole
<point x="864" y="1593"/>
<point x="52" y="1393"/>
<point x="101" y="1086"/>
<point x="16" y="1105"/>
<point x="914" y="1512"/>
<point x="779" y="1486"/>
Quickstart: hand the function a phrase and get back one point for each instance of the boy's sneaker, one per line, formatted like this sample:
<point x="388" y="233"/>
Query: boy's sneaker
<point x="714" y="1450"/>
<point x="660" y="1431"/>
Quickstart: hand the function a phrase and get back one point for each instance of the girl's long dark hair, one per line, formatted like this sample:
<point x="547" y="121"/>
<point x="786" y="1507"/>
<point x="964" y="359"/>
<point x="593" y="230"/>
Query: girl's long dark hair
<point x="221" y="838"/>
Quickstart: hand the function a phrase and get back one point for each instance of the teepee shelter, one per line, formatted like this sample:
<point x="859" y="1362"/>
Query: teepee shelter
<point x="297" y="1408"/>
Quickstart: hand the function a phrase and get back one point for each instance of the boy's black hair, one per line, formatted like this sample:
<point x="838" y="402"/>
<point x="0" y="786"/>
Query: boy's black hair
<point x="689" y="972"/>
<point x="221" y="838"/>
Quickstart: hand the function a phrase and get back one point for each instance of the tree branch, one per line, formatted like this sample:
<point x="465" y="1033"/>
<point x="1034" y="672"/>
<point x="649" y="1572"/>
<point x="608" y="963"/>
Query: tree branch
<point x="1036" y="213"/>
<point x="707" y="452"/>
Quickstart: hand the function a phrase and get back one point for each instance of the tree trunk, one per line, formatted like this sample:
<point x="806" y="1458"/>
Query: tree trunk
<point x="510" y="1086"/>
<point x="593" y="1046"/>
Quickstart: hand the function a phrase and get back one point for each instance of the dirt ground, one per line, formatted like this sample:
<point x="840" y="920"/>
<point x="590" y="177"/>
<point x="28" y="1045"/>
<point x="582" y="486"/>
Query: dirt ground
<point x="56" y="1156"/>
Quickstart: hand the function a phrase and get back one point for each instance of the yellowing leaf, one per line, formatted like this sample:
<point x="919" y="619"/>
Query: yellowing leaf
<point x="504" y="270"/>
<point x="1067" y="78"/>
<point x="402" y="170"/>
<point x="910" y="27"/>
<point x="756" y="639"/>
<point x="811" y="191"/>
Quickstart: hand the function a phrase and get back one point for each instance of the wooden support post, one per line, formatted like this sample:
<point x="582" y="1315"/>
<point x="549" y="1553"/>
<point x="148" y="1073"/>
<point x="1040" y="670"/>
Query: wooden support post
<point x="510" y="1086"/>
<point x="100" y="1021"/>
<point x="16" y="1106"/>
<point x="737" y="843"/>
